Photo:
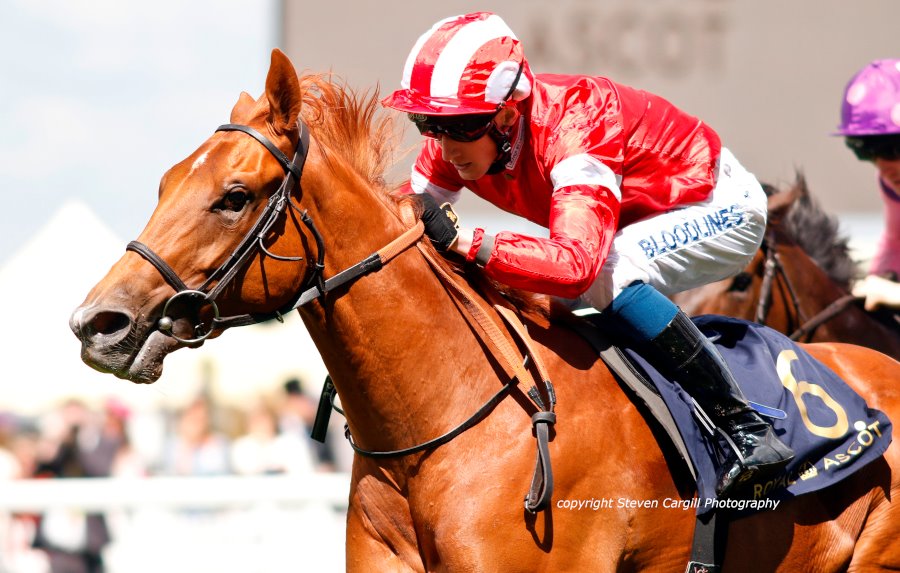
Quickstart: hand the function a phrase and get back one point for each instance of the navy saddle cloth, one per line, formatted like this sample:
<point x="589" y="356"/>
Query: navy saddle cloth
<point x="831" y="429"/>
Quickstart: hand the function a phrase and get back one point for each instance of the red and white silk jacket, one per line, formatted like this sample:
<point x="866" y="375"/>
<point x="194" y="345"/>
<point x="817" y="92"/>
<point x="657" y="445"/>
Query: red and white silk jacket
<point x="589" y="156"/>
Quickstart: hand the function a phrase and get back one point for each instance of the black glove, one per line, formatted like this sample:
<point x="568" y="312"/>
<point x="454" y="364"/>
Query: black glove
<point x="440" y="222"/>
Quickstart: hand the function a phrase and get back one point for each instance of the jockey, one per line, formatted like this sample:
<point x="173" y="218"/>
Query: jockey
<point x="870" y="124"/>
<point x="641" y="201"/>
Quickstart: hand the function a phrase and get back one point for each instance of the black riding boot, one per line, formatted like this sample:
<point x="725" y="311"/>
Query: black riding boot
<point x="693" y="361"/>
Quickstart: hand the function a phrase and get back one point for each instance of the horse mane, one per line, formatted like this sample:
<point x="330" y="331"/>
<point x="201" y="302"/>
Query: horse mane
<point x="352" y="124"/>
<point x="816" y="232"/>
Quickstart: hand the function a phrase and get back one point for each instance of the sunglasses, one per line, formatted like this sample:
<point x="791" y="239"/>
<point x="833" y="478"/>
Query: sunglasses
<point x="874" y="147"/>
<point x="465" y="128"/>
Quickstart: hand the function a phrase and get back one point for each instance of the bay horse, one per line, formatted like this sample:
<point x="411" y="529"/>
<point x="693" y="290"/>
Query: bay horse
<point x="799" y="281"/>
<point x="408" y="364"/>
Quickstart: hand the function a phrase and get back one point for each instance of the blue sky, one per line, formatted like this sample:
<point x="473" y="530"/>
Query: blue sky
<point x="99" y="97"/>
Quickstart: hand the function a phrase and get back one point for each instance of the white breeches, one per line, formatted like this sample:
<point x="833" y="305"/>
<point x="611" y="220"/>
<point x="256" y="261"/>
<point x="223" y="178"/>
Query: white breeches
<point x="691" y="245"/>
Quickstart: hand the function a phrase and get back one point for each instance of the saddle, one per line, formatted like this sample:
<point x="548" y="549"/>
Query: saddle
<point x="827" y="424"/>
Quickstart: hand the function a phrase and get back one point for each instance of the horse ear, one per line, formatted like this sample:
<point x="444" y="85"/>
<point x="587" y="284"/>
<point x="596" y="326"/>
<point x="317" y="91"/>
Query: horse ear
<point x="242" y="108"/>
<point x="283" y="93"/>
<point x="781" y="202"/>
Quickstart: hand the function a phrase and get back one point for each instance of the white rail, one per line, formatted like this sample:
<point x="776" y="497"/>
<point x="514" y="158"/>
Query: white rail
<point x="228" y="524"/>
<point x="218" y="492"/>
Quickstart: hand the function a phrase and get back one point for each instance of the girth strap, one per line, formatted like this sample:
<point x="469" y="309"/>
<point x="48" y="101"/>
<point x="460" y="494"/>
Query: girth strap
<point x="708" y="546"/>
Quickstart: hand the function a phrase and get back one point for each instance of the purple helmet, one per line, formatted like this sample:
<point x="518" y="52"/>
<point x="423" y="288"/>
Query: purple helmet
<point x="871" y="104"/>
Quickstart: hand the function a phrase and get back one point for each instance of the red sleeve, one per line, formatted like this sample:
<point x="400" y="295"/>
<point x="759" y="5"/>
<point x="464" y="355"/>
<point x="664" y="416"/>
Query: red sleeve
<point x="583" y="154"/>
<point x="591" y="124"/>
<point x="582" y="224"/>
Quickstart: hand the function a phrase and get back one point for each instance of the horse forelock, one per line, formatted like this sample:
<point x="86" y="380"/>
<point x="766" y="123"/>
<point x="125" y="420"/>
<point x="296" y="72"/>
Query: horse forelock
<point x="817" y="233"/>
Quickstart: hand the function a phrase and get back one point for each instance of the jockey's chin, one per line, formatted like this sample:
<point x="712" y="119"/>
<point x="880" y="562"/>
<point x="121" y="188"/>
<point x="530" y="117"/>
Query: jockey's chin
<point x="471" y="159"/>
<point x="470" y="172"/>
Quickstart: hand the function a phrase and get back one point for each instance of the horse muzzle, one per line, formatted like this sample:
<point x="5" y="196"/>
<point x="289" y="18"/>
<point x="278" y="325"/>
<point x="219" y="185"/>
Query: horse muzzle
<point x="113" y="341"/>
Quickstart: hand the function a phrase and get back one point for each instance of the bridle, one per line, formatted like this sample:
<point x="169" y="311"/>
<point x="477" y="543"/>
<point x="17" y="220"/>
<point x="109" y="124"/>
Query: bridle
<point x="314" y="286"/>
<point x="254" y="241"/>
<point x="773" y="270"/>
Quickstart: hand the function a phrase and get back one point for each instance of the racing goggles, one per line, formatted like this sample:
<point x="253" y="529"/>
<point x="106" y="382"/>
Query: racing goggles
<point x="874" y="147"/>
<point x="465" y="128"/>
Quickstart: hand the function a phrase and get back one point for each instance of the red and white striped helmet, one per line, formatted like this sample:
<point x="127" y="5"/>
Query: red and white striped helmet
<point x="462" y="65"/>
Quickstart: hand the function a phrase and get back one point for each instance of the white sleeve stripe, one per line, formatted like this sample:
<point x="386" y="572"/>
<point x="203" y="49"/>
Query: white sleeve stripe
<point x="421" y="184"/>
<point x="584" y="169"/>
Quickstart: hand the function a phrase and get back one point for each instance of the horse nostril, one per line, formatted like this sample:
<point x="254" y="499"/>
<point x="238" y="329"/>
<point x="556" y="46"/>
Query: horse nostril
<point x="108" y="322"/>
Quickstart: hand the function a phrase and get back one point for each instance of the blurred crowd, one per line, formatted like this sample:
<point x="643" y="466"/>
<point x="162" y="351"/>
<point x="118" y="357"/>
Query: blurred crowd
<point x="268" y="435"/>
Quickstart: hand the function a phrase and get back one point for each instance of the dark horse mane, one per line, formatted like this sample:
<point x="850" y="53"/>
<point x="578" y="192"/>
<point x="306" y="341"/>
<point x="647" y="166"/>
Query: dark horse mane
<point x="816" y="232"/>
<point x="353" y="124"/>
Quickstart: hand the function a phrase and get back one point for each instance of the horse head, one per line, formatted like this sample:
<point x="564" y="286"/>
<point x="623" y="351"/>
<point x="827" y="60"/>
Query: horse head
<point x="230" y="233"/>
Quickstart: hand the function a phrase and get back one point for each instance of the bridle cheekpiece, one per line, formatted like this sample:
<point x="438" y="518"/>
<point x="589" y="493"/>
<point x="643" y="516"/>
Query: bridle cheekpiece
<point x="206" y="294"/>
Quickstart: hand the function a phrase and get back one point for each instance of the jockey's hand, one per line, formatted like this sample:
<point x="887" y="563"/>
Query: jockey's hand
<point x="878" y="291"/>
<point x="440" y="222"/>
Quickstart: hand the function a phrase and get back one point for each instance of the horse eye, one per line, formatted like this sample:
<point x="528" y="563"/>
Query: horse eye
<point x="235" y="200"/>
<point x="741" y="282"/>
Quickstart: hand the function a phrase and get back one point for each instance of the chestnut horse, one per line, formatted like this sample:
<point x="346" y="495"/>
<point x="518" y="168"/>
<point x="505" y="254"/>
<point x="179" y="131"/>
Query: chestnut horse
<point x="409" y="364"/>
<point x="798" y="283"/>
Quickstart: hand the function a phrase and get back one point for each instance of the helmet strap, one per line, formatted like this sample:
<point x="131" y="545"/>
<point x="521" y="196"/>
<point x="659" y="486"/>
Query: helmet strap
<point x="501" y="138"/>
<point x="504" y="149"/>
<point x="515" y="82"/>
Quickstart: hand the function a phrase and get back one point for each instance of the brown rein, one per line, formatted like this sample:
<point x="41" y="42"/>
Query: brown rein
<point x="513" y="363"/>
<point x="775" y="269"/>
<point x="541" y="490"/>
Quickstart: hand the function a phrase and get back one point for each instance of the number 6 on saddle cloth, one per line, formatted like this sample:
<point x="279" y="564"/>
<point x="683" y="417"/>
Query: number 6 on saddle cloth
<point x="827" y="424"/>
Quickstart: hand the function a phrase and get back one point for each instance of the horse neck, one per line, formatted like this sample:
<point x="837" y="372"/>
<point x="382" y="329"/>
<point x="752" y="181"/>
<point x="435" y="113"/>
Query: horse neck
<point x="394" y="342"/>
